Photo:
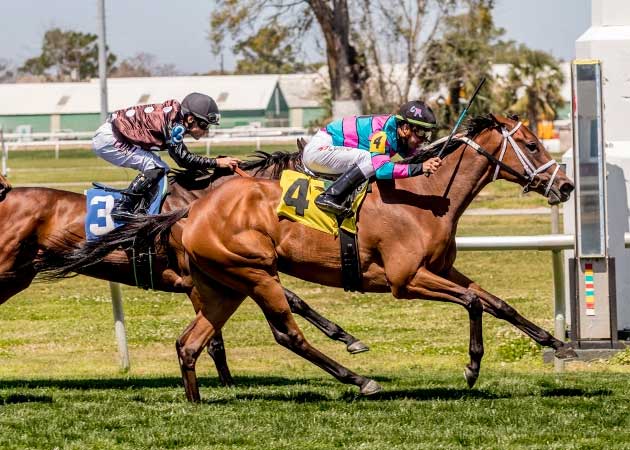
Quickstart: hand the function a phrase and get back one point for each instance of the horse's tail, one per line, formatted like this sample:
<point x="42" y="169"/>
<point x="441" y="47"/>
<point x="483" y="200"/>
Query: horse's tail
<point x="139" y="232"/>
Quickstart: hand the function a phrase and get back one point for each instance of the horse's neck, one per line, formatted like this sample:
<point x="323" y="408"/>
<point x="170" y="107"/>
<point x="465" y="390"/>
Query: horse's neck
<point x="463" y="174"/>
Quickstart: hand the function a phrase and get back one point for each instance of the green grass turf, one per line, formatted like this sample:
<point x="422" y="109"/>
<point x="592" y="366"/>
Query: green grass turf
<point x="61" y="386"/>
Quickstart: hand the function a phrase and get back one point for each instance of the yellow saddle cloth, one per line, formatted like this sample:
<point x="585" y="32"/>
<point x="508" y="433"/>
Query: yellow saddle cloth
<point x="298" y="203"/>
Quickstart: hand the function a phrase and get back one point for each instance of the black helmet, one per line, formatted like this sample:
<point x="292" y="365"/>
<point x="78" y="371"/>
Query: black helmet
<point x="417" y="113"/>
<point x="202" y="107"/>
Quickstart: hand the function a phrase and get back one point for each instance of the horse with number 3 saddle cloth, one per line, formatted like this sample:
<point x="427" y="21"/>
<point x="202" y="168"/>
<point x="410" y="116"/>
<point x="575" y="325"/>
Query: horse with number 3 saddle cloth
<point x="99" y="221"/>
<point x="297" y="203"/>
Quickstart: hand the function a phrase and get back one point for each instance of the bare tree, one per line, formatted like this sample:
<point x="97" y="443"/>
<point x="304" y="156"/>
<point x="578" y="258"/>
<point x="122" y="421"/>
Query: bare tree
<point x="143" y="65"/>
<point x="7" y="74"/>
<point x="239" y="20"/>
<point x="395" y="37"/>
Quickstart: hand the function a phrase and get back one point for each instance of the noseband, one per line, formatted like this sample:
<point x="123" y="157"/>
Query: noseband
<point x="531" y="172"/>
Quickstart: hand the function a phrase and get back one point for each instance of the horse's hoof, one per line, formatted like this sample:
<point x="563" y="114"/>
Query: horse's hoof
<point x="470" y="376"/>
<point x="566" y="352"/>
<point x="357" y="347"/>
<point x="370" y="388"/>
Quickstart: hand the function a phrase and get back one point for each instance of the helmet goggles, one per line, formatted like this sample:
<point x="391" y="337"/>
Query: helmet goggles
<point x="205" y="122"/>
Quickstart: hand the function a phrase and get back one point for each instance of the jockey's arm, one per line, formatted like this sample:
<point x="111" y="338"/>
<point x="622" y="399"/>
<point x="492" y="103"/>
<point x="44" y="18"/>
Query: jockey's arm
<point x="188" y="160"/>
<point x="384" y="167"/>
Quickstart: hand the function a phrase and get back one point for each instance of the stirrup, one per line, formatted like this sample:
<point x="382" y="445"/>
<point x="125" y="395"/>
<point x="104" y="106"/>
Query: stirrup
<point x="333" y="208"/>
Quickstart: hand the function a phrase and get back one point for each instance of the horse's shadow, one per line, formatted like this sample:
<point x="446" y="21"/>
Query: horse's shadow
<point x="309" y="390"/>
<point x="438" y="205"/>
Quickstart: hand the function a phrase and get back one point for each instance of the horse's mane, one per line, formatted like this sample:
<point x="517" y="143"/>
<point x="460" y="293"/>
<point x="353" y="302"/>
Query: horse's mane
<point x="474" y="126"/>
<point x="276" y="162"/>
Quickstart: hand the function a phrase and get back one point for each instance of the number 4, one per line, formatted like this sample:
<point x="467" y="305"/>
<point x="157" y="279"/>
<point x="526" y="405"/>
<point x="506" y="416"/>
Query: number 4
<point x="299" y="203"/>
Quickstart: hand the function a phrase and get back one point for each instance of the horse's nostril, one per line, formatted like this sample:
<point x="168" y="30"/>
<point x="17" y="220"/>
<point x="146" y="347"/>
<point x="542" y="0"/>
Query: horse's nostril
<point x="567" y="188"/>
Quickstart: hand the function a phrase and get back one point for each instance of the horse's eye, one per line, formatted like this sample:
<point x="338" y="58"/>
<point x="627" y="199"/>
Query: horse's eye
<point x="532" y="146"/>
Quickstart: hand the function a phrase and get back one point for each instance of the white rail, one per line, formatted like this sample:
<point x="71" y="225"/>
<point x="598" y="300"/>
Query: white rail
<point x="218" y="132"/>
<point x="494" y="243"/>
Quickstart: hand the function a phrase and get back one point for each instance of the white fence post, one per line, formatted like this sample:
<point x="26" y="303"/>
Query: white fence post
<point x="5" y="154"/>
<point x="208" y="147"/>
<point x="558" y="287"/>
<point x="119" y="325"/>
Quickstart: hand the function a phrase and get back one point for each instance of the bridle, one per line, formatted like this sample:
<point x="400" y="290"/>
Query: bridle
<point x="531" y="172"/>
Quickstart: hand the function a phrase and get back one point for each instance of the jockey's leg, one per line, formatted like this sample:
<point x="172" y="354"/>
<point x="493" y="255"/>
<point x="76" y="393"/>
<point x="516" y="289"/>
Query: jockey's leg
<point x="354" y="165"/>
<point x="150" y="165"/>
<point x="141" y="186"/>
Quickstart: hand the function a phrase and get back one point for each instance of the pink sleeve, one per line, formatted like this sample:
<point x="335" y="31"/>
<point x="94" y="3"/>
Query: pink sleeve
<point x="401" y="171"/>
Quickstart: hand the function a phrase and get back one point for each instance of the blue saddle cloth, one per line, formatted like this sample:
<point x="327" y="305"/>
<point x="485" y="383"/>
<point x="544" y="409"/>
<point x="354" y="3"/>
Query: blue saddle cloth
<point x="100" y="202"/>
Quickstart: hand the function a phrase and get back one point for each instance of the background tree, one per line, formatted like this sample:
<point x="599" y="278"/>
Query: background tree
<point x="532" y="86"/>
<point x="239" y="20"/>
<point x="66" y="55"/>
<point x="143" y="65"/>
<point x="7" y="75"/>
<point x="270" y="50"/>
<point x="457" y="61"/>
<point x="395" y="38"/>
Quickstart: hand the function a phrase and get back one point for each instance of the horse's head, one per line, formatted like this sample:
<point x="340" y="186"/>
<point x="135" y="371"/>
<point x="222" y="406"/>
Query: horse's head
<point x="520" y="157"/>
<point x="5" y="187"/>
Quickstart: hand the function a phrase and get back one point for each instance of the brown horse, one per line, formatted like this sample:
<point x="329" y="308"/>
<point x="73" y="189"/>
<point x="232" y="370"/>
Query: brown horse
<point x="237" y="246"/>
<point x="32" y="219"/>
<point x="5" y="187"/>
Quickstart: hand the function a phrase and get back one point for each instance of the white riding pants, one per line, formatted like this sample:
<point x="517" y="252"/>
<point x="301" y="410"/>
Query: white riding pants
<point x="321" y="156"/>
<point x="103" y="144"/>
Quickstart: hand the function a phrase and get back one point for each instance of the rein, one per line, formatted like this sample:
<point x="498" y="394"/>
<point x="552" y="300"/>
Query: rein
<point x="531" y="170"/>
<point x="241" y="172"/>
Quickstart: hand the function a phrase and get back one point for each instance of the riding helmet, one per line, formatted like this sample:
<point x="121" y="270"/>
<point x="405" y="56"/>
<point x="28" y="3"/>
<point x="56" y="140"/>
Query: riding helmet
<point x="418" y="113"/>
<point x="201" y="107"/>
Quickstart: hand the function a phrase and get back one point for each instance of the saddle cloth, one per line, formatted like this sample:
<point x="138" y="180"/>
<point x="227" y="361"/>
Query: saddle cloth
<point x="297" y="203"/>
<point x="100" y="202"/>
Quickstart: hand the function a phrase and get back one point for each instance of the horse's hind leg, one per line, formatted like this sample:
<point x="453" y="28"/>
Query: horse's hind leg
<point x="219" y="303"/>
<point x="502" y="310"/>
<point x="269" y="294"/>
<point x="216" y="348"/>
<point x="12" y="285"/>
<point x="330" y="329"/>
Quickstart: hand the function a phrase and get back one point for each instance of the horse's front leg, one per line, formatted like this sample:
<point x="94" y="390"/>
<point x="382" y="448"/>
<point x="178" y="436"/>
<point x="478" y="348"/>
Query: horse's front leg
<point x="502" y="310"/>
<point x="330" y="329"/>
<point x="430" y="286"/>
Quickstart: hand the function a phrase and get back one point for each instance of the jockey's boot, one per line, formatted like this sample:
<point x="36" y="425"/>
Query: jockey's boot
<point x="141" y="187"/>
<point x="333" y="198"/>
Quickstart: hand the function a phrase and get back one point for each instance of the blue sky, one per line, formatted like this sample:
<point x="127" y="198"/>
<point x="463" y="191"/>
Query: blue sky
<point x="176" y="31"/>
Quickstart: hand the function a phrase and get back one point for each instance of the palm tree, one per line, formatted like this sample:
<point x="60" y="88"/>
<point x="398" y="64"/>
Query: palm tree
<point x="532" y="86"/>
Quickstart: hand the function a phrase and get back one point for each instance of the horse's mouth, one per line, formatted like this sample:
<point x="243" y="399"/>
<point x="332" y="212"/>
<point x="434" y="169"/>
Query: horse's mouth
<point x="555" y="196"/>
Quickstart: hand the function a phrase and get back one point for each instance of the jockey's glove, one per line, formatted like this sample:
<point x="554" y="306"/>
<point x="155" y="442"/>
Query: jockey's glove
<point x="415" y="170"/>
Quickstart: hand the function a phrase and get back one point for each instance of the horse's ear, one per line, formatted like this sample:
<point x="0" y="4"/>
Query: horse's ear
<point x="513" y="117"/>
<point x="301" y="143"/>
<point x="494" y="118"/>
